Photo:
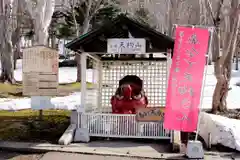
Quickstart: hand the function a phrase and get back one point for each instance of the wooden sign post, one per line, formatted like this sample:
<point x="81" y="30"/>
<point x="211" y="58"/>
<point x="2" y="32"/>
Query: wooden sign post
<point x="40" y="72"/>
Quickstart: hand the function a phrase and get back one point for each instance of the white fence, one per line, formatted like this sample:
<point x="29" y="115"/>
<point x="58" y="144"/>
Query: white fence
<point x="97" y="116"/>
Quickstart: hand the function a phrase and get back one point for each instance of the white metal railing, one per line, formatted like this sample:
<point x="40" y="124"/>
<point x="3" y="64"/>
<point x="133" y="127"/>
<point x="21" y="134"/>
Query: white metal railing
<point x="123" y="126"/>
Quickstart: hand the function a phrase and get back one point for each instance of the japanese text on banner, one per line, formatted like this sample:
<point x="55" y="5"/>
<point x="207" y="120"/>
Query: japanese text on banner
<point x="185" y="80"/>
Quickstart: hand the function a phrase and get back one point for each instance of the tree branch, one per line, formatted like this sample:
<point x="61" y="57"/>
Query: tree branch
<point x="50" y="4"/>
<point x="208" y="5"/>
<point x="97" y="7"/>
<point x="89" y="6"/>
<point x="74" y="17"/>
<point x="233" y="38"/>
<point x="29" y="5"/>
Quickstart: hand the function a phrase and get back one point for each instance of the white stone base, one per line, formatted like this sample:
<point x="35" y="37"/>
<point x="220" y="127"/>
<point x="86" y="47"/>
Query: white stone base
<point x="81" y="135"/>
<point x="195" y="150"/>
<point x="68" y="135"/>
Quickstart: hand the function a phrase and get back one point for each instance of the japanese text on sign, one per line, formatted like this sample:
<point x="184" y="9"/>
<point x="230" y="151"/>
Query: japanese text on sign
<point x="126" y="46"/>
<point x="150" y="114"/>
<point x="40" y="71"/>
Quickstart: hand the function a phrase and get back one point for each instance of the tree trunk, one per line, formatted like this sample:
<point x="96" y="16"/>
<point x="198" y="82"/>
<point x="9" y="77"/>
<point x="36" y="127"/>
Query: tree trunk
<point x="236" y="65"/>
<point x="6" y="52"/>
<point x="14" y="60"/>
<point x="202" y="12"/>
<point x="16" y="35"/>
<point x="41" y="35"/>
<point x="53" y="42"/>
<point x="16" y="43"/>
<point x="220" y="94"/>
<point x="216" y="58"/>
<point x="222" y="88"/>
<point x="41" y="15"/>
<point x="86" y="26"/>
<point x="169" y="29"/>
<point x="223" y="70"/>
<point x="17" y="51"/>
<point x="7" y="63"/>
<point x="16" y="54"/>
<point x="78" y="57"/>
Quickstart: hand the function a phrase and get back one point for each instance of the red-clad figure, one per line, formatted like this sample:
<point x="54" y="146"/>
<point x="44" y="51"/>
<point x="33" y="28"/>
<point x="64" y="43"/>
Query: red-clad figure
<point x="129" y="96"/>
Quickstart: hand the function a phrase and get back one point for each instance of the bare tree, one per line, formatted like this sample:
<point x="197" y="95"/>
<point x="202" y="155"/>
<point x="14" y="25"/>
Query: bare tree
<point x="72" y="3"/>
<point x="227" y="11"/>
<point x="19" y="16"/>
<point x="6" y="49"/>
<point x="41" y="12"/>
<point x="169" y="12"/>
<point x="12" y="14"/>
<point x="92" y="8"/>
<point x="77" y="57"/>
<point x="237" y="54"/>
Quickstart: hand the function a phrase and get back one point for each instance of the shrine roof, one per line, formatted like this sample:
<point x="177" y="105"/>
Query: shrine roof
<point x="96" y="40"/>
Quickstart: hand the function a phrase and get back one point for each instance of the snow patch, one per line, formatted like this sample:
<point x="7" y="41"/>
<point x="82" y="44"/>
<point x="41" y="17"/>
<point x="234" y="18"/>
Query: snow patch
<point x="223" y="130"/>
<point x="66" y="74"/>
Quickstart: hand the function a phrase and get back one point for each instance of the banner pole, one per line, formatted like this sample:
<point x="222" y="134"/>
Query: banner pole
<point x="203" y="84"/>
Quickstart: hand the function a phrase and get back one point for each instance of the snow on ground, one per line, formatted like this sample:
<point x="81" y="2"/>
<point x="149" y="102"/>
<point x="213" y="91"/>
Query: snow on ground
<point x="223" y="130"/>
<point x="233" y="99"/>
<point x="70" y="102"/>
<point x="68" y="75"/>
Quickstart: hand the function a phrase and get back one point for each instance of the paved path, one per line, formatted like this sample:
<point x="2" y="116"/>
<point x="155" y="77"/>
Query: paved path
<point x="100" y="150"/>
<point x="113" y="148"/>
<point x="59" y="156"/>
<point x="74" y="156"/>
<point x="71" y="156"/>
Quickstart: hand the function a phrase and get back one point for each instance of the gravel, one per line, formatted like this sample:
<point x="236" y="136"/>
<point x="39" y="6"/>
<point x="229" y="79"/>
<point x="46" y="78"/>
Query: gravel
<point x="17" y="156"/>
<point x="231" y="113"/>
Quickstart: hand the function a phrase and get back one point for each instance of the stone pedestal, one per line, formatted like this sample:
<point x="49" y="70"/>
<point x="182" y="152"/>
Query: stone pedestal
<point x="81" y="135"/>
<point x="195" y="150"/>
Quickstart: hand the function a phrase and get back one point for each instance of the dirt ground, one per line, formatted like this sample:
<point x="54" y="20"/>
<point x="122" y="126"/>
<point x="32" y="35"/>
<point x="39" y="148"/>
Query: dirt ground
<point x="25" y="126"/>
<point x="18" y="156"/>
<point x="233" y="113"/>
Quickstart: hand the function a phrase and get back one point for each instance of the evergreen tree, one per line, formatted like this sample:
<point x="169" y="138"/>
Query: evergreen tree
<point x="66" y="27"/>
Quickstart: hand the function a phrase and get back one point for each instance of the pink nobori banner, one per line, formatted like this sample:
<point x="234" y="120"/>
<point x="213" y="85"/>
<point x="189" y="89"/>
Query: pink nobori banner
<point x="186" y="79"/>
